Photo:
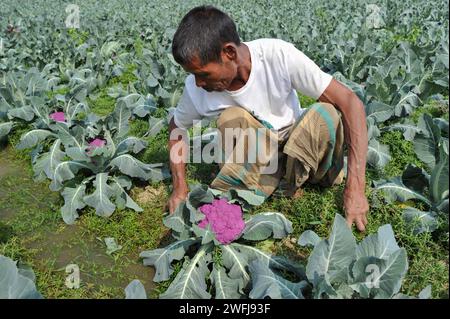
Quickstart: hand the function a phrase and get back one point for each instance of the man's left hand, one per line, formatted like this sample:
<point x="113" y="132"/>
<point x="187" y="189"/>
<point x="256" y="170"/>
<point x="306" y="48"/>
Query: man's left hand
<point x="356" y="207"/>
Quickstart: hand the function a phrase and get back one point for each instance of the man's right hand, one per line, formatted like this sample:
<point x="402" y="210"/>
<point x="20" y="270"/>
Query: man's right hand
<point x="175" y="199"/>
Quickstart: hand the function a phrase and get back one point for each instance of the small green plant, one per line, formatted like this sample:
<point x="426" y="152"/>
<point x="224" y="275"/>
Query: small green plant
<point x="79" y="37"/>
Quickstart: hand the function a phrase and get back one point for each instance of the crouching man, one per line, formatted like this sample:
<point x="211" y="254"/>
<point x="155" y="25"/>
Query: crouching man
<point x="252" y="87"/>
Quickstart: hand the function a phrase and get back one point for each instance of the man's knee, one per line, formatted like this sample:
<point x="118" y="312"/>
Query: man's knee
<point x="330" y="109"/>
<point x="231" y="116"/>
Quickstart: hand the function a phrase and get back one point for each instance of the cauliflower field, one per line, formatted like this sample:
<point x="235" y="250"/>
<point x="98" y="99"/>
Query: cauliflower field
<point x="86" y="91"/>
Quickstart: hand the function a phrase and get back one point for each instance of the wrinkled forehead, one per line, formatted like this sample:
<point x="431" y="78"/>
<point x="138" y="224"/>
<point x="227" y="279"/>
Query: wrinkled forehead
<point x="195" y="66"/>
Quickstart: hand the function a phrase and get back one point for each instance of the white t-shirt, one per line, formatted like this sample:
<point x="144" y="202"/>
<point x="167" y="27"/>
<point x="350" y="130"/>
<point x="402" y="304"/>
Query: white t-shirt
<point x="278" y="70"/>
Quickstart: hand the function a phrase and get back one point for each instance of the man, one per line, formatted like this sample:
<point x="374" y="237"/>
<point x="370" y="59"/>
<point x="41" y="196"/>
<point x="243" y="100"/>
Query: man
<point x="253" y="85"/>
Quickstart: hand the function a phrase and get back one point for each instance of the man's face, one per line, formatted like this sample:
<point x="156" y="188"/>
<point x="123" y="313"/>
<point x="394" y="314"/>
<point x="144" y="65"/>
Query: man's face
<point x="214" y="76"/>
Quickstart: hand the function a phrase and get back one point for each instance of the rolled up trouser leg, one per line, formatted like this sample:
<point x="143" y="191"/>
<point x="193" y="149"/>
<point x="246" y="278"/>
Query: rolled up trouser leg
<point x="315" y="148"/>
<point x="239" y="169"/>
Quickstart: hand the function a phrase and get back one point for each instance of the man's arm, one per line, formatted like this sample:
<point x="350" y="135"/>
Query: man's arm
<point x="177" y="156"/>
<point x="355" y="135"/>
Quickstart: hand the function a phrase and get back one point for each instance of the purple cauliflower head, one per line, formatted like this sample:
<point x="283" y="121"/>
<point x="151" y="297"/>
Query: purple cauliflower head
<point x="225" y="219"/>
<point x="95" y="143"/>
<point x="58" y="116"/>
<point x="98" y="142"/>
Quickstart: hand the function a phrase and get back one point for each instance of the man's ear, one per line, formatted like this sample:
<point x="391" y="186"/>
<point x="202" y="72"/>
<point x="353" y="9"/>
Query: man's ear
<point x="229" y="52"/>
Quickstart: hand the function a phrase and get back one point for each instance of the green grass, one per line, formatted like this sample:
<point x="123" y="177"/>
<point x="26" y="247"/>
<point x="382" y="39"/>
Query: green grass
<point x="162" y="287"/>
<point x="34" y="233"/>
<point x="157" y="150"/>
<point x="62" y="91"/>
<point x="19" y="129"/>
<point x="103" y="104"/>
<point x="126" y="77"/>
<point x="79" y="37"/>
<point x="411" y="37"/>
<point x="139" y="47"/>
<point x="402" y="153"/>
<point x="305" y="101"/>
<point x="432" y="107"/>
<point x="401" y="150"/>
<point x="138" y="127"/>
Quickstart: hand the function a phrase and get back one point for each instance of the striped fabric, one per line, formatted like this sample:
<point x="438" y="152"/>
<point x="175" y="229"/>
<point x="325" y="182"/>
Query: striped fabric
<point x="313" y="152"/>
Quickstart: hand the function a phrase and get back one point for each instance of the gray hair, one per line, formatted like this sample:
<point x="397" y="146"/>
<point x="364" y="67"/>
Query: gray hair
<point x="201" y="34"/>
